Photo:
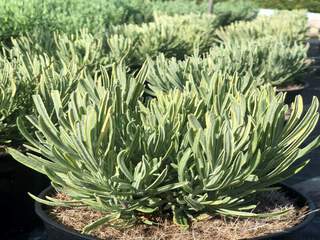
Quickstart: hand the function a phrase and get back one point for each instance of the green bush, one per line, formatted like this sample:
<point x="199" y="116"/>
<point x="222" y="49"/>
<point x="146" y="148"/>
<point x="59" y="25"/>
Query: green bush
<point x="255" y="62"/>
<point x="311" y="5"/>
<point x="288" y="26"/>
<point x="29" y="68"/>
<point x="228" y="12"/>
<point x="165" y="75"/>
<point x="15" y="96"/>
<point x="72" y="15"/>
<point x="205" y="150"/>
<point x="235" y="10"/>
<point x="268" y="60"/>
<point x="8" y="105"/>
<point x="20" y="17"/>
<point x="174" y="36"/>
<point x="179" y="7"/>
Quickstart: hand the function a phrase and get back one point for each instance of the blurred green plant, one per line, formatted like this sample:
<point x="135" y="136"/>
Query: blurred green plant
<point x="69" y="16"/>
<point x="234" y="11"/>
<point x="227" y="11"/>
<point x="255" y="62"/>
<point x="288" y="26"/>
<point x="310" y="5"/>
<point x="174" y="36"/>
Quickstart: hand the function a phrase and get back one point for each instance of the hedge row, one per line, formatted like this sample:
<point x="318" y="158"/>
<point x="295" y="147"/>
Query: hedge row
<point x="69" y="16"/>
<point x="19" y="17"/>
<point x="310" y="5"/>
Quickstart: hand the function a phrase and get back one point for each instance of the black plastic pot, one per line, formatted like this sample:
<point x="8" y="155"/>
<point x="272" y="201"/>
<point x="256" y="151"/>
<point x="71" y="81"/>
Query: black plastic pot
<point x="56" y="231"/>
<point x="292" y="93"/>
<point x="17" y="208"/>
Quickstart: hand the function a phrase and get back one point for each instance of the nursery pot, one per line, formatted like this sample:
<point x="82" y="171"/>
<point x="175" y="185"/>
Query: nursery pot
<point x="292" y="92"/>
<point x="16" y="181"/>
<point x="57" y="231"/>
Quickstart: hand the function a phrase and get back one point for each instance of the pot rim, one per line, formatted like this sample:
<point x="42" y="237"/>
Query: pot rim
<point x="308" y="201"/>
<point x="299" y="87"/>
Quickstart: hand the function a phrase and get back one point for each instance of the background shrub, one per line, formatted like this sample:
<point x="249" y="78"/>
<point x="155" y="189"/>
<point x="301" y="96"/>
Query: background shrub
<point x="310" y="5"/>
<point x="179" y="7"/>
<point x="25" y="16"/>
<point x="229" y="11"/>
<point x="288" y="26"/>
<point x="235" y="10"/>
<point x="174" y="36"/>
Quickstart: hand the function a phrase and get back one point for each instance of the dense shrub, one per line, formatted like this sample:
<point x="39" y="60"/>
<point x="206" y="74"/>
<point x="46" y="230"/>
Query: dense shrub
<point x="235" y="10"/>
<point x="255" y="63"/>
<point x="179" y="7"/>
<point x="29" y="68"/>
<point x="310" y="5"/>
<point x="174" y="36"/>
<point x="268" y="60"/>
<point x="16" y="90"/>
<point x="228" y="12"/>
<point x="205" y="150"/>
<point x="288" y="26"/>
<point x="20" y="17"/>
<point x="267" y="50"/>
<point x="72" y="15"/>
<point x="166" y="74"/>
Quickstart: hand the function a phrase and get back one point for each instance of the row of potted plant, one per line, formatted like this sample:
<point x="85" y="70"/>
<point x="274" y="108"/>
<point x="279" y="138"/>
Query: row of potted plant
<point x="69" y="16"/>
<point x="267" y="59"/>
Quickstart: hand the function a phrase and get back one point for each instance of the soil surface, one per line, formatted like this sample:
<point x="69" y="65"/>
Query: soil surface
<point x="211" y="227"/>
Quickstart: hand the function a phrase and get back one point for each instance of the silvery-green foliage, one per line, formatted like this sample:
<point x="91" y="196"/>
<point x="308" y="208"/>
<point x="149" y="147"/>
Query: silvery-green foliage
<point x="198" y="73"/>
<point x="196" y="30"/>
<point x="18" y="80"/>
<point x="200" y="150"/>
<point x="8" y="103"/>
<point x="174" y="36"/>
<point x="136" y="42"/>
<point x="268" y="59"/>
<point x="39" y="72"/>
<point x="288" y="26"/>
<point x="261" y="61"/>
<point x="82" y="48"/>
<point x="23" y="71"/>
<point x="180" y="7"/>
<point x="69" y="16"/>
